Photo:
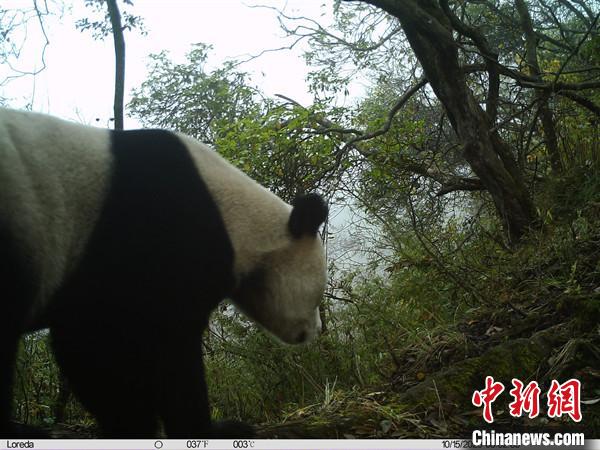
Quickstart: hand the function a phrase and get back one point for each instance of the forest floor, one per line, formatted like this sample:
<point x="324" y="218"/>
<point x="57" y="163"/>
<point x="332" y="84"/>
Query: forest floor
<point x="544" y="326"/>
<point x="541" y="323"/>
<point x="539" y="339"/>
<point x="536" y="331"/>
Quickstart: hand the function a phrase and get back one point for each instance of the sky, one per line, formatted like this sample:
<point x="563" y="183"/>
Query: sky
<point x="78" y="81"/>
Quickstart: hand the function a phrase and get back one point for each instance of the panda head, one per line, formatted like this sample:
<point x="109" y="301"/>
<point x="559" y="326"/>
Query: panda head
<point x="282" y="293"/>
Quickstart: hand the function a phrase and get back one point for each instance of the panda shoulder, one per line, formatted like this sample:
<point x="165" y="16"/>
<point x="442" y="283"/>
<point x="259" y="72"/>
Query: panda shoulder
<point x="221" y="174"/>
<point x="24" y="128"/>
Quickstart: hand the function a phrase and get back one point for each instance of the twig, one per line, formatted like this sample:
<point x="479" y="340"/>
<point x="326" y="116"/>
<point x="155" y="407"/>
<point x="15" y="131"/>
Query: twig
<point x="576" y="49"/>
<point x="391" y="114"/>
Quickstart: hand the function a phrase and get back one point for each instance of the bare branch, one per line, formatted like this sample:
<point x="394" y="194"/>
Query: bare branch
<point x="585" y="7"/>
<point x="574" y="10"/>
<point x="317" y="29"/>
<point x="386" y="127"/>
<point x="554" y="18"/>
<point x="449" y="182"/>
<point x="542" y="96"/>
<point x="271" y="50"/>
<point x="39" y="14"/>
<point x="465" y="184"/>
<point x="585" y="102"/>
<point x="16" y="19"/>
<point x="544" y="37"/>
<point x="491" y="58"/>
<point x="561" y="86"/>
<point x="328" y="125"/>
<point x="427" y="24"/>
<point x="577" y="47"/>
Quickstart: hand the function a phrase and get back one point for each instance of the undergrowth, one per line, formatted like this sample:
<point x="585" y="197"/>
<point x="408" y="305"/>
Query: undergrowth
<point x="387" y="332"/>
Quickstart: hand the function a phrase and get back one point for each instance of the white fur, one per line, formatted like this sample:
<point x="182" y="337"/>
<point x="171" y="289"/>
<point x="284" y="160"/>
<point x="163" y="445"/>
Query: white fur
<point x="296" y="281"/>
<point x="58" y="173"/>
<point x="257" y="224"/>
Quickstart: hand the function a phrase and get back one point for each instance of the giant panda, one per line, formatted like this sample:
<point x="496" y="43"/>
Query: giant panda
<point x="122" y="243"/>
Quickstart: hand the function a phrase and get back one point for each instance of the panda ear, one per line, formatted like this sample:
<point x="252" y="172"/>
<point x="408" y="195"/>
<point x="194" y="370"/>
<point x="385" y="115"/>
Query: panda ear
<point x="308" y="213"/>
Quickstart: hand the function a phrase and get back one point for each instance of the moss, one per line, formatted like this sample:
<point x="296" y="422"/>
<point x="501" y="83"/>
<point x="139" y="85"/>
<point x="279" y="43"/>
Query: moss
<point x="520" y="358"/>
<point x="448" y="391"/>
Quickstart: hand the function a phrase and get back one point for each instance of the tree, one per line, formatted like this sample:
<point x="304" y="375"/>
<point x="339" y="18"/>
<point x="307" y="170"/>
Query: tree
<point x="119" y="40"/>
<point x="429" y="30"/>
<point x="465" y="52"/>
<point x="14" y="23"/>
<point x="115" y="23"/>
<point x="189" y="98"/>
<point x="276" y="144"/>
<point x="542" y="96"/>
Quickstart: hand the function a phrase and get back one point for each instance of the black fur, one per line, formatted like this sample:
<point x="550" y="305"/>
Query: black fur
<point x="309" y="212"/>
<point x="15" y="301"/>
<point x="127" y="325"/>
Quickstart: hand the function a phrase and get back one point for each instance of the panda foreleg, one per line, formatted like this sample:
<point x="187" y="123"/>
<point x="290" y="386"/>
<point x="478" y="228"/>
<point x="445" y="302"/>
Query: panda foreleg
<point x="16" y="300"/>
<point x="127" y="423"/>
<point x="183" y="395"/>
<point x="109" y="375"/>
<point x="232" y="429"/>
<point x="184" y="406"/>
<point x="8" y="351"/>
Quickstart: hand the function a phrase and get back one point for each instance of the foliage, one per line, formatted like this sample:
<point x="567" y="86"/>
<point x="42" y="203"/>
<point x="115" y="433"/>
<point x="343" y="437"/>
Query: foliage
<point x="472" y="55"/>
<point x="392" y="328"/>
<point x="273" y="143"/>
<point x="445" y="291"/>
<point x="100" y="26"/>
<point x="16" y="24"/>
<point x="190" y="99"/>
<point x="280" y="150"/>
<point x="358" y="349"/>
<point x="433" y="308"/>
<point x="38" y="386"/>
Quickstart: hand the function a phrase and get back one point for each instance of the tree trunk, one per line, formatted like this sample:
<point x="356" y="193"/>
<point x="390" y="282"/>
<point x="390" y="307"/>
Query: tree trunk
<point x="119" y="40"/>
<point x="429" y="33"/>
<point x="60" y="405"/>
<point x="541" y="95"/>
